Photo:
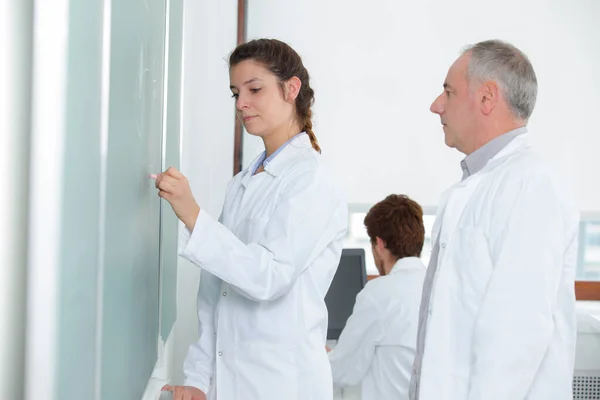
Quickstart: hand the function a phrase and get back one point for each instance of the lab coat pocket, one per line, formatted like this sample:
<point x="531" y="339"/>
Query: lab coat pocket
<point x="473" y="264"/>
<point x="281" y="362"/>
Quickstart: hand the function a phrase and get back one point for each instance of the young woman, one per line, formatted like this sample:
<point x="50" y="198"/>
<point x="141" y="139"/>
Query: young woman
<point x="269" y="260"/>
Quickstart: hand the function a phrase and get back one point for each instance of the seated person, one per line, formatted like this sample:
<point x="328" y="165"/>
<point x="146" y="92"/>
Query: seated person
<point x="377" y="345"/>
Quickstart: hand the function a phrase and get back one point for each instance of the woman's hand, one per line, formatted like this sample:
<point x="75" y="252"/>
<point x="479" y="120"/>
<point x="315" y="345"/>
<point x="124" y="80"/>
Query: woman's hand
<point x="185" y="392"/>
<point x="175" y="188"/>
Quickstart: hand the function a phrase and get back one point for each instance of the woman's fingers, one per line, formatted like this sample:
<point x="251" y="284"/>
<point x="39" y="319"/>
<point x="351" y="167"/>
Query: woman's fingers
<point x="174" y="173"/>
<point x="178" y="393"/>
<point x="167" y="183"/>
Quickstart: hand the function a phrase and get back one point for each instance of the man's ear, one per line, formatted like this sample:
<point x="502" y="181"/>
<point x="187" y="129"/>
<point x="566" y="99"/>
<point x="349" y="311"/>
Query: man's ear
<point x="489" y="95"/>
<point x="379" y="243"/>
<point x="292" y="89"/>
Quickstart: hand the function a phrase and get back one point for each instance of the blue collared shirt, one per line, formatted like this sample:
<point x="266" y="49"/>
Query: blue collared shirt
<point x="264" y="160"/>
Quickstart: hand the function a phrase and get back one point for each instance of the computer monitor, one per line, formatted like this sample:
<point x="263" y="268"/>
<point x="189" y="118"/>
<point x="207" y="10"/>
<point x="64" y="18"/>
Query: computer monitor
<point x="350" y="278"/>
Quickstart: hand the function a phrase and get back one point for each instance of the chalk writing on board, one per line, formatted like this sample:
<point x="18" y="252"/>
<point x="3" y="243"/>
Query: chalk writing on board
<point x="140" y="114"/>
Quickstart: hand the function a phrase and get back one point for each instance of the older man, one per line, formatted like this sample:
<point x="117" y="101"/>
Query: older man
<point x="497" y="316"/>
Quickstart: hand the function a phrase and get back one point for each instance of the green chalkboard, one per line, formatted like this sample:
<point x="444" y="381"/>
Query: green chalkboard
<point x="118" y="242"/>
<point x="132" y="236"/>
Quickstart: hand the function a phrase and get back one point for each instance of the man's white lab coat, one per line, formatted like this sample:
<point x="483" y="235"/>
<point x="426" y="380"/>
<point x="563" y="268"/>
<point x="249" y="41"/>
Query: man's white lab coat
<point x="502" y="322"/>
<point x="377" y="345"/>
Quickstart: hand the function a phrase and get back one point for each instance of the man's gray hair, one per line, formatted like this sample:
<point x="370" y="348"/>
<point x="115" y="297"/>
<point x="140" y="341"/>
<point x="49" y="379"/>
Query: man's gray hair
<point x="510" y="68"/>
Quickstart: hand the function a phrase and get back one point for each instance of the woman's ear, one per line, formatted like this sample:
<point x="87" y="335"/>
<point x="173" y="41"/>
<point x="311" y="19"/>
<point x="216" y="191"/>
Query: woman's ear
<point x="292" y="89"/>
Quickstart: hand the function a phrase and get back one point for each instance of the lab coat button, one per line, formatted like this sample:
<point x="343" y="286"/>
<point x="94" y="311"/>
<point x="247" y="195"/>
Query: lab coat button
<point x="224" y="293"/>
<point x="443" y="245"/>
<point x="220" y="353"/>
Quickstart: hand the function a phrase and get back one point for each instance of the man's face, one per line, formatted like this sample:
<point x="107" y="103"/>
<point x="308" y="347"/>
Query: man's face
<point x="457" y="107"/>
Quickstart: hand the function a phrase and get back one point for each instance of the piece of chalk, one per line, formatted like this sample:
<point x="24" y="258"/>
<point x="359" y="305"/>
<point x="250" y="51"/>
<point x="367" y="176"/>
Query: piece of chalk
<point x="153" y="176"/>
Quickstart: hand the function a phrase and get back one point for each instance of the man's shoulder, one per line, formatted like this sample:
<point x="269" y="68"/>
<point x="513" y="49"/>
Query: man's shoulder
<point x="526" y="167"/>
<point x="397" y="285"/>
<point x="528" y="173"/>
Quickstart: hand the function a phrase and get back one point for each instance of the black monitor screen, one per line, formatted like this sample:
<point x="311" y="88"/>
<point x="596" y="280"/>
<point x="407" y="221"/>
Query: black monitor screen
<point x="349" y="279"/>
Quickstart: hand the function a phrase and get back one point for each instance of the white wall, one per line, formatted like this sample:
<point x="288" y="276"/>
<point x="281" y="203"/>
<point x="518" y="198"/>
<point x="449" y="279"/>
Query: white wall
<point x="376" y="66"/>
<point x="207" y="141"/>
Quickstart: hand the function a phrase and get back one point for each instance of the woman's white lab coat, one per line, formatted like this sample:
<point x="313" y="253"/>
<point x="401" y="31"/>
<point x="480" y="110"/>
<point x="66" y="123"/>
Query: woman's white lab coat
<point x="377" y="346"/>
<point x="502" y="312"/>
<point x="266" y="267"/>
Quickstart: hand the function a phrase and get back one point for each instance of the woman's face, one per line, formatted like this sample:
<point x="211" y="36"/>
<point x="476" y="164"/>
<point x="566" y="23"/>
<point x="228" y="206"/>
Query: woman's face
<point x="261" y="101"/>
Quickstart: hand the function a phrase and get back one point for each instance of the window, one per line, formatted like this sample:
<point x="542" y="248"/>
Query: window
<point x="587" y="286"/>
<point x="588" y="268"/>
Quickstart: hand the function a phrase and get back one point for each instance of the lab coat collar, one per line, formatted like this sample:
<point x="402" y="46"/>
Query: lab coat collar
<point x="281" y="162"/>
<point x="407" y="263"/>
<point x="296" y="146"/>
<point x="519" y="143"/>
